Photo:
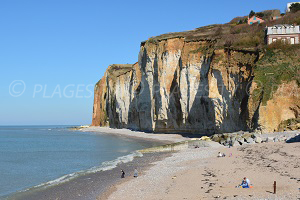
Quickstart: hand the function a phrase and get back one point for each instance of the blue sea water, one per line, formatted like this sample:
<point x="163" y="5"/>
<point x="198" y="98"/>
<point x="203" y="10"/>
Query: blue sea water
<point x="35" y="155"/>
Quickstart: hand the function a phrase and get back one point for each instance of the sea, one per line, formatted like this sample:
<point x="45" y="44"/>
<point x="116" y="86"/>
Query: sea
<point x="42" y="156"/>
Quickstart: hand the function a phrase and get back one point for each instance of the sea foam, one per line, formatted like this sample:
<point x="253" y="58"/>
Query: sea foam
<point x="107" y="165"/>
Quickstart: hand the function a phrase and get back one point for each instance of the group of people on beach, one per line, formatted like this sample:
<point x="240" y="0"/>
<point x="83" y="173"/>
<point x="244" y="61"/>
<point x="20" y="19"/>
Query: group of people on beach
<point x="135" y="173"/>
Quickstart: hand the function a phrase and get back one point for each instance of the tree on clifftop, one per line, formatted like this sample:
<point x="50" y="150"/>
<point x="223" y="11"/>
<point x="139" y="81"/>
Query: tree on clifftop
<point x="252" y="13"/>
<point x="295" y="7"/>
<point x="260" y="14"/>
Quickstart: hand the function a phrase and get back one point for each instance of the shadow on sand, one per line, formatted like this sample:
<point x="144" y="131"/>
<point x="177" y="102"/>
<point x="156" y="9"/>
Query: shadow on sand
<point x="294" y="139"/>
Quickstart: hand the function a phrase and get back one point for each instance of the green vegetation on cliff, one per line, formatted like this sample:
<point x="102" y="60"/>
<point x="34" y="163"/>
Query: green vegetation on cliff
<point x="280" y="63"/>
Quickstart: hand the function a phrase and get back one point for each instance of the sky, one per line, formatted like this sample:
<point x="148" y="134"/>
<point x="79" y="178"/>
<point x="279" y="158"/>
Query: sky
<point x="52" y="52"/>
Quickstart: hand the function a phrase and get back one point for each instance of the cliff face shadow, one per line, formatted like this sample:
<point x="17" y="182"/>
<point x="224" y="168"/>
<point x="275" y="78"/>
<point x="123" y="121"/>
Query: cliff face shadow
<point x="230" y="120"/>
<point x="113" y="115"/>
<point x="139" y="116"/>
<point x="201" y="115"/>
<point x="226" y="114"/>
<point x="234" y="104"/>
<point x="156" y="95"/>
<point x="175" y="117"/>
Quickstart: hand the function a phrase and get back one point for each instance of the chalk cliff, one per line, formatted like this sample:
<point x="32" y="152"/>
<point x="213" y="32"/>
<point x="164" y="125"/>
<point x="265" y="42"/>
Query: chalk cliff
<point x="191" y="82"/>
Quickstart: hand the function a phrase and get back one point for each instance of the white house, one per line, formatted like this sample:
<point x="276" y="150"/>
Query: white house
<point x="285" y="32"/>
<point x="289" y="5"/>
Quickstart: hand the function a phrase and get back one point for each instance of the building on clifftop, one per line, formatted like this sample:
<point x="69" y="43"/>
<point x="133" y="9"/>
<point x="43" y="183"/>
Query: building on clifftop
<point x="287" y="33"/>
<point x="255" y="19"/>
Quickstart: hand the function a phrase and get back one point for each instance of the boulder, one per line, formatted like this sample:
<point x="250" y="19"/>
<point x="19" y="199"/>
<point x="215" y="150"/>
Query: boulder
<point x="258" y="140"/>
<point x="242" y="142"/>
<point x="264" y="139"/>
<point x="250" y="140"/>
<point x="223" y="142"/>
<point x="233" y="138"/>
<point x="228" y="140"/>
<point x="270" y="139"/>
<point x="225" y="136"/>
<point x="216" y="138"/>
<point x="283" y="138"/>
<point x="205" y="138"/>
<point x="247" y="135"/>
<point x="236" y="143"/>
<point x="240" y="139"/>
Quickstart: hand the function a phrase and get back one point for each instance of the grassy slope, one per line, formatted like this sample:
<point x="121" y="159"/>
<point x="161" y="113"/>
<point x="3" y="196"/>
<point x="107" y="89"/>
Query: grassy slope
<point x="281" y="63"/>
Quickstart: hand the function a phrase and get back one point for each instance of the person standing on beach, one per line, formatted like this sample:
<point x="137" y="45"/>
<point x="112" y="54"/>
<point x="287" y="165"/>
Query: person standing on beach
<point x="123" y="173"/>
<point x="135" y="173"/>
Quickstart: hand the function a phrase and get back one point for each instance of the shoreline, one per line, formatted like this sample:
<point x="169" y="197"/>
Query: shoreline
<point x="89" y="186"/>
<point x="162" y="137"/>
<point x="174" y="174"/>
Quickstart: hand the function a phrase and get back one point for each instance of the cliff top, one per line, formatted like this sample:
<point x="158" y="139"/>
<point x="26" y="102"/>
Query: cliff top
<point x="116" y="70"/>
<point x="202" y="33"/>
<point x="235" y="34"/>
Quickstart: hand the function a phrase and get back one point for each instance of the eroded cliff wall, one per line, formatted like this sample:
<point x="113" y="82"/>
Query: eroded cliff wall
<point x="178" y="86"/>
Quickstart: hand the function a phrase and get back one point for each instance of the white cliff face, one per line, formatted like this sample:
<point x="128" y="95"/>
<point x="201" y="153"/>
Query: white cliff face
<point x="176" y="87"/>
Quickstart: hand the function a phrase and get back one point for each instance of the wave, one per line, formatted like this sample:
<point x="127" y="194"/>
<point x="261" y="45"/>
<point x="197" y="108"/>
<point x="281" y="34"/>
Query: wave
<point x="107" y="165"/>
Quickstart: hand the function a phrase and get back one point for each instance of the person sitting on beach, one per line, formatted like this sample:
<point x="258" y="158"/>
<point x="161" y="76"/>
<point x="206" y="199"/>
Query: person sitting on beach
<point x="245" y="183"/>
<point x="220" y="154"/>
<point x="123" y="174"/>
<point x="135" y="173"/>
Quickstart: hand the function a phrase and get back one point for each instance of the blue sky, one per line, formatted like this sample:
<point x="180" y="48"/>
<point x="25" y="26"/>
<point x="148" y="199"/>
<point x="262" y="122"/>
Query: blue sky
<point x="58" y="49"/>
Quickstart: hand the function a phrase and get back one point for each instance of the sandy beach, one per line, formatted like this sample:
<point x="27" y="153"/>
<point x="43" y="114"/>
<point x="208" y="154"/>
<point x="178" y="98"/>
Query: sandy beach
<point x="197" y="173"/>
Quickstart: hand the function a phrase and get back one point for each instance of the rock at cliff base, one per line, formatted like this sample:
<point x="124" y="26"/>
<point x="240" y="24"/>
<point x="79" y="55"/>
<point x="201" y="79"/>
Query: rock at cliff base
<point x="247" y="136"/>
<point x="236" y="143"/>
<point x="205" y="138"/>
<point x="258" y="140"/>
<point x="250" y="140"/>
